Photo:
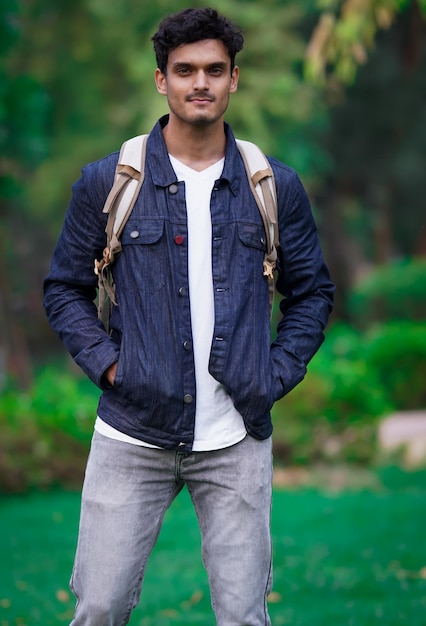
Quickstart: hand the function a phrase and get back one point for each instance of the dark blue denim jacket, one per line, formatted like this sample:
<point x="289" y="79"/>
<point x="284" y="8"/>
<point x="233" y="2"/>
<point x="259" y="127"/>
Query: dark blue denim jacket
<point x="154" y="394"/>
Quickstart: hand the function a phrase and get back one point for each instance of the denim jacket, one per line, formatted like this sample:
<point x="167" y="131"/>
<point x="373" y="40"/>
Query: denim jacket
<point x="154" y="393"/>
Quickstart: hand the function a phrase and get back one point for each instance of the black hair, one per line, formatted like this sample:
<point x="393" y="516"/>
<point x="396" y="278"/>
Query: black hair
<point x="191" y="25"/>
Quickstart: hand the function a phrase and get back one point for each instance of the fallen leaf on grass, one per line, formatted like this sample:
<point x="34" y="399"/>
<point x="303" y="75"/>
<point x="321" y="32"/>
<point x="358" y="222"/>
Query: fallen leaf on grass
<point x="62" y="595"/>
<point x="21" y="585"/>
<point x="196" y="597"/>
<point x="420" y="574"/>
<point x="274" y="597"/>
<point x="172" y="613"/>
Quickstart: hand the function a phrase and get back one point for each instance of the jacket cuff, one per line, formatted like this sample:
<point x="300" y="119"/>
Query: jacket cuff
<point x="95" y="362"/>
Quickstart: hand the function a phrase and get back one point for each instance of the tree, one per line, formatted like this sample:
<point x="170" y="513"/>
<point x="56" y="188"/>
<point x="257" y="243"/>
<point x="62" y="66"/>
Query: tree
<point x="23" y="139"/>
<point x="346" y="33"/>
<point x="76" y="79"/>
<point x="87" y="67"/>
<point x="373" y="202"/>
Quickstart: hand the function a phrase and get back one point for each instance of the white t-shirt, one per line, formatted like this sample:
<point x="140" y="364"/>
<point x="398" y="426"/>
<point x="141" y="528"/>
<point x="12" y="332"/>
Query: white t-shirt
<point x="218" y="424"/>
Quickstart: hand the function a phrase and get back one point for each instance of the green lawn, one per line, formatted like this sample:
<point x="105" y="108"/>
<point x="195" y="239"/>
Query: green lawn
<point x="355" y="558"/>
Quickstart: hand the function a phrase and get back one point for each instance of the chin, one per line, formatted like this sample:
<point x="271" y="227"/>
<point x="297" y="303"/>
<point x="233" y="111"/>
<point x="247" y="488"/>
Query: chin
<point x="204" y="120"/>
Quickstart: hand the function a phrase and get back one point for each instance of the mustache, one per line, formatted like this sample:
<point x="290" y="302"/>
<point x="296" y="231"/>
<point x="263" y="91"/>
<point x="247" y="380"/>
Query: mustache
<point x="201" y="96"/>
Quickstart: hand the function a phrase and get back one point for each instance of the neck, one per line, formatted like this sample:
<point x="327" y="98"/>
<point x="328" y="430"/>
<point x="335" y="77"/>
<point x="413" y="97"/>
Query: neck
<point x="198" y="147"/>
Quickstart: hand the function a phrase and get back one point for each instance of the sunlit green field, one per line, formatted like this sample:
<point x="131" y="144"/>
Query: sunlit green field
<point x="355" y="558"/>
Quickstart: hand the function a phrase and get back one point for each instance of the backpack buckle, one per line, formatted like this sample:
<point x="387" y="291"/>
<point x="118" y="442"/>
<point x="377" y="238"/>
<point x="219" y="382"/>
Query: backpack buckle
<point x="268" y="270"/>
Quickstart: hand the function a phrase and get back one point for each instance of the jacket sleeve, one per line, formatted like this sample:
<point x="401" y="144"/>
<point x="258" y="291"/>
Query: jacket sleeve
<point x="70" y="287"/>
<point x="303" y="281"/>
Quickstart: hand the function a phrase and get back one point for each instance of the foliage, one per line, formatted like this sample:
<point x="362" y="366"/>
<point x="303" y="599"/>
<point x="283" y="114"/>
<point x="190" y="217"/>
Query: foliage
<point x="397" y="352"/>
<point x="23" y="109"/>
<point x="76" y="79"/>
<point x="83" y="51"/>
<point x="391" y="292"/>
<point x="346" y="32"/>
<point x="45" y="431"/>
<point x="371" y="207"/>
<point x="362" y="552"/>
<point x="354" y="380"/>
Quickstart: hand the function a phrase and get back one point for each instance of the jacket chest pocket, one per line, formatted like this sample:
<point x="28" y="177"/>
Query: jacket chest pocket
<point x="142" y="260"/>
<point x="252" y="251"/>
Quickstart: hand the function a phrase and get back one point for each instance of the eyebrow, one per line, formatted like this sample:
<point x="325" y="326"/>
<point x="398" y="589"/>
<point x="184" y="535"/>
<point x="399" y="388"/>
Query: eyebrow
<point x="183" y="65"/>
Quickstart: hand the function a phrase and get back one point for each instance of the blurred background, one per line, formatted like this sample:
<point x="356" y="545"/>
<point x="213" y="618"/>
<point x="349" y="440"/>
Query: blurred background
<point x="335" y="89"/>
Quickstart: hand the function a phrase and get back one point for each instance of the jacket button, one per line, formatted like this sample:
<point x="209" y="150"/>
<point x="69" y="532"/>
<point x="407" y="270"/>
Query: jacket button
<point x="182" y="291"/>
<point x="179" y="240"/>
<point x="173" y="189"/>
<point x="187" y="398"/>
<point x="187" y="345"/>
<point x="134" y="234"/>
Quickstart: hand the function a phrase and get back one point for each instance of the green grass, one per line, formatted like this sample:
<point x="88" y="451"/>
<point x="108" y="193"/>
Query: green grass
<point x="354" y="558"/>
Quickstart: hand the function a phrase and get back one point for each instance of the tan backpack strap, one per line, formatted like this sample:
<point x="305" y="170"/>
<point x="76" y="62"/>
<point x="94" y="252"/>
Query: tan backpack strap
<point x="262" y="185"/>
<point x="129" y="176"/>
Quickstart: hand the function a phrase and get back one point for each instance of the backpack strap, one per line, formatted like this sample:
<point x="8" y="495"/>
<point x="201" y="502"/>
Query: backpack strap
<point x="262" y="185"/>
<point x="129" y="176"/>
<point x="119" y="204"/>
<point x="128" y="180"/>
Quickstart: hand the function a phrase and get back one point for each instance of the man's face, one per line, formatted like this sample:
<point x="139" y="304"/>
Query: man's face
<point x="198" y="82"/>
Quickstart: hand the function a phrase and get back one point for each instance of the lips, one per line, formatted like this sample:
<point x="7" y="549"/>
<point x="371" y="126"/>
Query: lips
<point x="200" y="99"/>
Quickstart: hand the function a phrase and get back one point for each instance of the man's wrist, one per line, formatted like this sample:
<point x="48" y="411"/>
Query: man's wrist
<point x="109" y="373"/>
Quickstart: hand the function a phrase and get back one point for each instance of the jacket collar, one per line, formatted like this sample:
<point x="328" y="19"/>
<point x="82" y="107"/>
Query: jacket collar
<point x="162" y="173"/>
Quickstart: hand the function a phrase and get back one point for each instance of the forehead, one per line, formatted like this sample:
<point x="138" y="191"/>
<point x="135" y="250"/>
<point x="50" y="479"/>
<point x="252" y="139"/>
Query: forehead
<point x="204" y="51"/>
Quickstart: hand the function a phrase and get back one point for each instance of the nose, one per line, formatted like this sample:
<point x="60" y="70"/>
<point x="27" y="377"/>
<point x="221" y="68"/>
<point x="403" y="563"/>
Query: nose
<point x="201" y="81"/>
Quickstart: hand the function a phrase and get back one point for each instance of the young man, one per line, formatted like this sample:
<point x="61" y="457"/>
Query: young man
<point x="188" y="373"/>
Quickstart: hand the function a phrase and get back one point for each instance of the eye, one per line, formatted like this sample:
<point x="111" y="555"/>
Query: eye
<point x="183" y="70"/>
<point x="216" y="71"/>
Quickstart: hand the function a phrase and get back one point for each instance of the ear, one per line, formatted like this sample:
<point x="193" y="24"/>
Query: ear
<point x="234" y="79"/>
<point x="160" y="82"/>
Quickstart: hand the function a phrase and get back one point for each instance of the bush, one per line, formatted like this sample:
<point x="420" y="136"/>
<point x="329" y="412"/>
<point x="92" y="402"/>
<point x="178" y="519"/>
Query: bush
<point x="354" y="380"/>
<point x="46" y="431"/>
<point x="397" y="353"/>
<point x="333" y="414"/>
<point x="393" y="292"/>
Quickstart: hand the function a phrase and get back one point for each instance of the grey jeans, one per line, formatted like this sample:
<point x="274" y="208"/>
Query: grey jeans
<point x="127" y="490"/>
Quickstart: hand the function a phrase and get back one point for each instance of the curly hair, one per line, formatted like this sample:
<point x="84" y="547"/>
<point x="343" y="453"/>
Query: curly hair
<point x="191" y="25"/>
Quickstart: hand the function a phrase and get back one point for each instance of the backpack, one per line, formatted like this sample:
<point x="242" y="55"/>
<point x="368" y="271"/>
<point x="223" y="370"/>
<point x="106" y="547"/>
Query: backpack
<point x="129" y="176"/>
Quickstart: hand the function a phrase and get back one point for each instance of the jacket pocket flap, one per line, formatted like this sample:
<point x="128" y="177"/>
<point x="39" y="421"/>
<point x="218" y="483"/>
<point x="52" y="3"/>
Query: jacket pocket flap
<point x="142" y="231"/>
<point x="252" y="235"/>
